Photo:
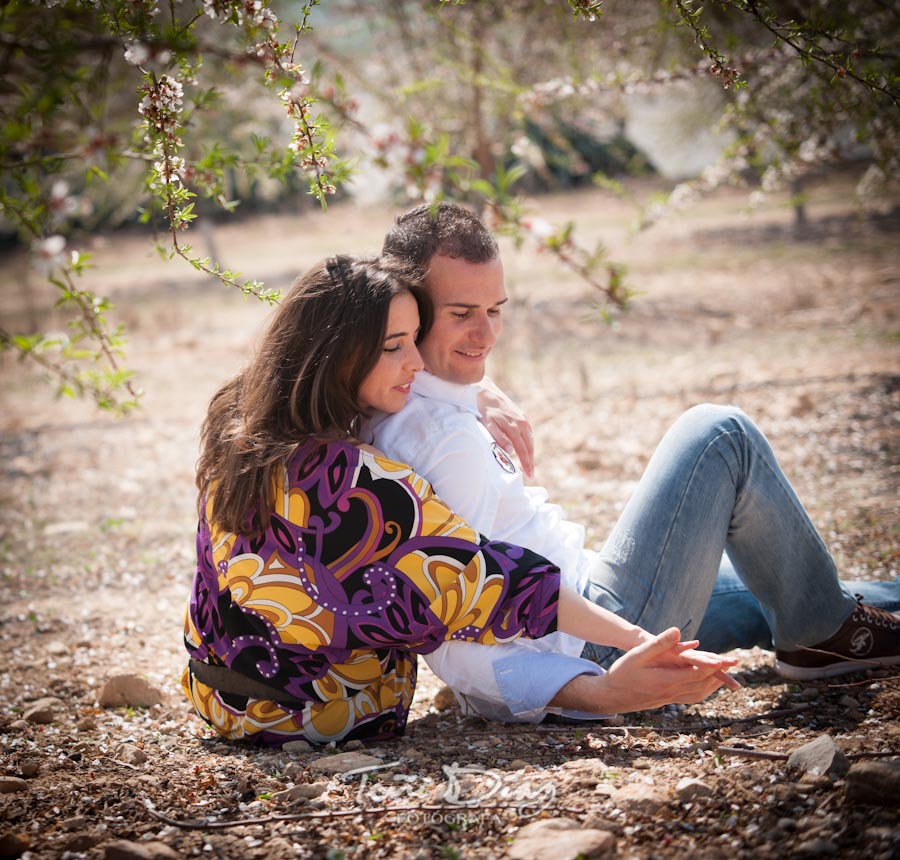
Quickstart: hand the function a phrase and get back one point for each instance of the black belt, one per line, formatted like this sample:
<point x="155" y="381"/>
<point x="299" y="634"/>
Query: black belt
<point x="226" y="680"/>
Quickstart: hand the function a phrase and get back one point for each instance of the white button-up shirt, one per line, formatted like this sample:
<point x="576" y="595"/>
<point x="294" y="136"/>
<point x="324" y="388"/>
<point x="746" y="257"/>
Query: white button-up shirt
<point x="439" y="434"/>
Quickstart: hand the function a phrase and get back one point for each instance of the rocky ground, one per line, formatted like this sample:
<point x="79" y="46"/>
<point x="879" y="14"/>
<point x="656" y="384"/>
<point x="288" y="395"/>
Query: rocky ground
<point x="99" y="755"/>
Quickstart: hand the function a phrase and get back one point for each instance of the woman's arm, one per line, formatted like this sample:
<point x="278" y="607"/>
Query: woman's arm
<point x="649" y="676"/>
<point x="579" y="617"/>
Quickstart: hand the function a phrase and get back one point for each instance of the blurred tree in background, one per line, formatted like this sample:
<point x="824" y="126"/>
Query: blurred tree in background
<point x="116" y="111"/>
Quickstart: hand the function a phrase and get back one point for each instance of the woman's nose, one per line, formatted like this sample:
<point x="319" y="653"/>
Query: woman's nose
<point x="414" y="361"/>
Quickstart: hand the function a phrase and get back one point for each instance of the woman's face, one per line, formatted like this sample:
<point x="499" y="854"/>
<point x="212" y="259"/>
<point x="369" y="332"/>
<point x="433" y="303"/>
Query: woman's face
<point x="386" y="387"/>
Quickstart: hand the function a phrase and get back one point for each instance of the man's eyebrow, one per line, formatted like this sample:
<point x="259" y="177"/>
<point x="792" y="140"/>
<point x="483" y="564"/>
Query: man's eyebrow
<point x="465" y="305"/>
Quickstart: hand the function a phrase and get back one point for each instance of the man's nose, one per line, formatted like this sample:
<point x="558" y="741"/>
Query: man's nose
<point x="483" y="332"/>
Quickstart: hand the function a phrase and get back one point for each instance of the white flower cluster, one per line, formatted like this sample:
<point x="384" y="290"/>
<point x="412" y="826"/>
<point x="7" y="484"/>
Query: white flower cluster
<point x="141" y="54"/>
<point x="303" y="139"/>
<point x="137" y="53"/>
<point x="62" y="204"/>
<point x="170" y="171"/>
<point x="217" y="8"/>
<point x="162" y="103"/>
<point x="555" y="89"/>
<point x="50" y="253"/>
<point x="254" y="13"/>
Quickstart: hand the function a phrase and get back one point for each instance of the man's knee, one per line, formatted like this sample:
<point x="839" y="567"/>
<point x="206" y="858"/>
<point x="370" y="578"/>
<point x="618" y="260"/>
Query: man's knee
<point x="716" y="418"/>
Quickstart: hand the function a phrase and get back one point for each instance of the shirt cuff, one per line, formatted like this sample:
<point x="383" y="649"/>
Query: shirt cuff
<point x="527" y="682"/>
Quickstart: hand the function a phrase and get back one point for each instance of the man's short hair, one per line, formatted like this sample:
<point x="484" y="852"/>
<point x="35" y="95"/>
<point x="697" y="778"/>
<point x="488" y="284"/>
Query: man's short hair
<point x="444" y="229"/>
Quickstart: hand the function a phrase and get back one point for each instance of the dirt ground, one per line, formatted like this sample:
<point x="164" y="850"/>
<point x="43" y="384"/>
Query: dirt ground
<point x="96" y="557"/>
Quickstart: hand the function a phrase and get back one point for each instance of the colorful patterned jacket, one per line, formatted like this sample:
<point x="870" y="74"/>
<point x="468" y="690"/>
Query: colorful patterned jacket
<point x="362" y="567"/>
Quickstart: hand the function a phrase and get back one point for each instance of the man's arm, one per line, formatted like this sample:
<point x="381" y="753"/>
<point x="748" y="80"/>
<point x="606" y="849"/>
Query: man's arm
<point x="513" y="682"/>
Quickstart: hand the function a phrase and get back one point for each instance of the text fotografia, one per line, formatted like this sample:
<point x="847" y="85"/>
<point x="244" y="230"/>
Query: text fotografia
<point x="469" y="795"/>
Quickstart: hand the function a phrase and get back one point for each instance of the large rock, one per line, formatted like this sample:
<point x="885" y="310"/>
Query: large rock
<point x="344" y="762"/>
<point x="12" y="785"/>
<point x="561" y="839"/>
<point x="646" y="799"/>
<point x="874" y="782"/>
<point x="122" y="849"/>
<point x="820" y="757"/>
<point x="42" y="711"/>
<point x="129" y="691"/>
<point x="13" y="845"/>
<point x="689" y="789"/>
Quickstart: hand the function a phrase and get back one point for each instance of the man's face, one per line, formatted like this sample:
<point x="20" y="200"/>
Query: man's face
<point x="467" y="299"/>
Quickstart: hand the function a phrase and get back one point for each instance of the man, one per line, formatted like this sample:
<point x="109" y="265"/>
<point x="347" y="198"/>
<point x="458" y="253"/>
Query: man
<point x="644" y="573"/>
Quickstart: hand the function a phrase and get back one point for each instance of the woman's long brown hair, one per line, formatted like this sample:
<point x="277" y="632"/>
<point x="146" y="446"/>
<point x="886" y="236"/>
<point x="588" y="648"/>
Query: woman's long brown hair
<point x="303" y="381"/>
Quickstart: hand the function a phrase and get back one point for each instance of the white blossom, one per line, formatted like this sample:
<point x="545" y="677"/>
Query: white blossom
<point x="137" y="53"/>
<point x="50" y="253"/>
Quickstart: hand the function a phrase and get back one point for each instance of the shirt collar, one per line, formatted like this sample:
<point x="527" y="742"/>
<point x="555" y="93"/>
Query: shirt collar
<point x="430" y="386"/>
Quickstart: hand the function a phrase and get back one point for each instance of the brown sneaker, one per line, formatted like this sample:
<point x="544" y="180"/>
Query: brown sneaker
<point x="869" y="638"/>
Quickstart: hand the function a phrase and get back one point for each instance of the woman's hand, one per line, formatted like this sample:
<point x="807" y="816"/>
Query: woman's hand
<point x="659" y="672"/>
<point x="507" y="424"/>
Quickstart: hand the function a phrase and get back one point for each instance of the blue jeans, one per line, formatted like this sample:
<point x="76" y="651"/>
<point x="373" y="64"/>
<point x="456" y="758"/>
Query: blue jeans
<point x="734" y="617"/>
<point x="714" y="487"/>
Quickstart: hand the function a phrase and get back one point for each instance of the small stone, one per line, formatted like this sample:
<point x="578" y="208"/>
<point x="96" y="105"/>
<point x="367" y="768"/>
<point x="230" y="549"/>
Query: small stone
<point x="19" y="725"/>
<point x="640" y="798"/>
<point x="562" y="839"/>
<point x="309" y="790"/>
<point x="874" y="782"/>
<point x="355" y="744"/>
<point x="518" y="764"/>
<point x="80" y="842"/>
<point x="122" y="849"/>
<point x="819" y="757"/>
<point x="443" y="699"/>
<point x="304" y="791"/>
<point x="129" y="691"/>
<point x="40" y="716"/>
<point x="803" y="406"/>
<point x="12" y="785"/>
<point x="131" y="754"/>
<point x="690" y="788"/>
<point x="13" y="845"/>
<point x="76" y="823"/>
<point x="344" y="762"/>
<point x="296" y="747"/>
<point x="816" y="847"/>
<point x="30" y="767"/>
<point x="815" y="781"/>
<point x="881" y="834"/>
<point x="86" y="724"/>
<point x="57" y="648"/>
<point x="42" y="712"/>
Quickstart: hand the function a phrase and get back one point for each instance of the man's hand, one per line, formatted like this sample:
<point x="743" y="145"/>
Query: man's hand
<point x="507" y="424"/>
<point x="660" y="672"/>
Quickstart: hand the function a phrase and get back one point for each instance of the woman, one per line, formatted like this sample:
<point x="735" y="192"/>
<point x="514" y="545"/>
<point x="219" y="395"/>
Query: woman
<point x="324" y="568"/>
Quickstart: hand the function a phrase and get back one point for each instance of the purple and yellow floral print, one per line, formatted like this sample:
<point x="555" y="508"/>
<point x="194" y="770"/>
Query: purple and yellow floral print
<point x="361" y="568"/>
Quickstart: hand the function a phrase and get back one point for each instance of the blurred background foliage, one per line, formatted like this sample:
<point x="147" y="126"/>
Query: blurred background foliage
<point x="119" y="113"/>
